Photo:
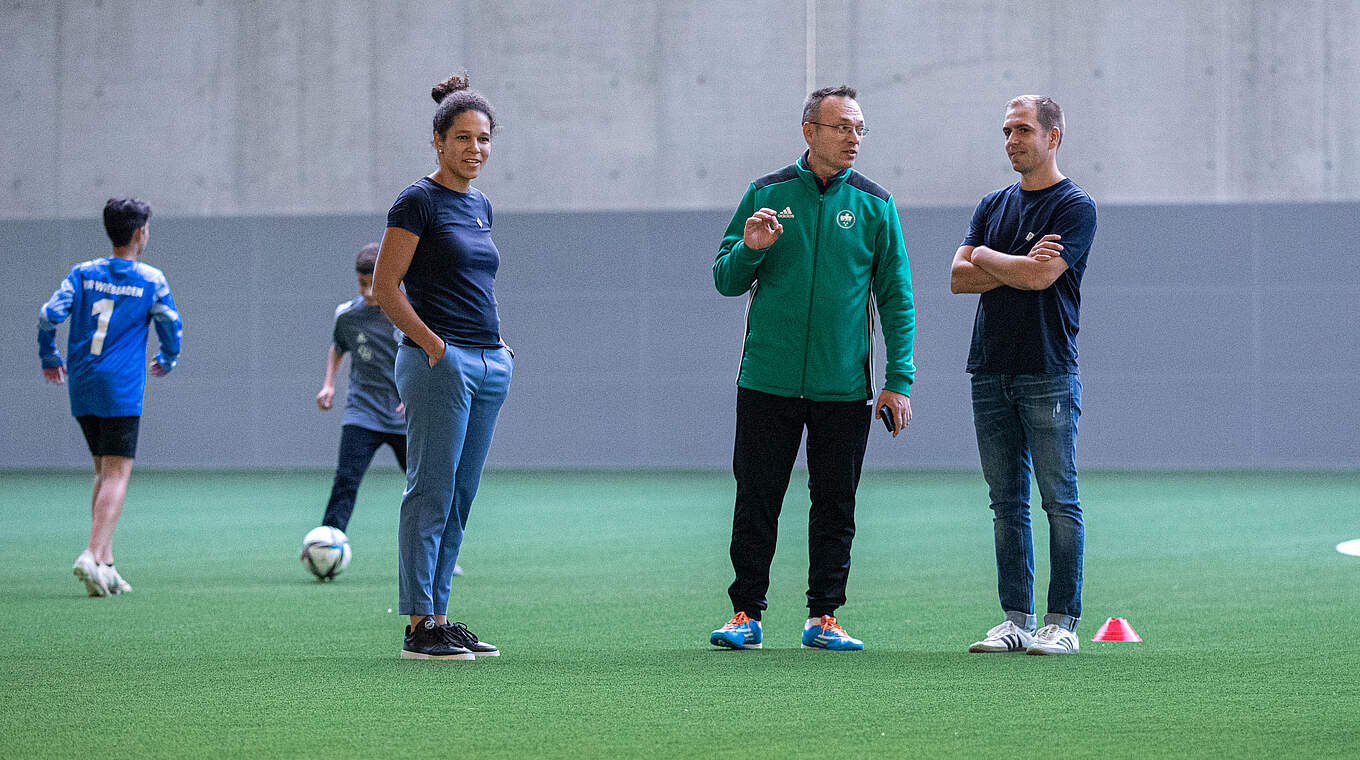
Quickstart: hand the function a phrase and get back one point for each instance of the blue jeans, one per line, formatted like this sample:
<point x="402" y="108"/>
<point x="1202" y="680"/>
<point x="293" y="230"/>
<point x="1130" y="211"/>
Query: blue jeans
<point x="1026" y="421"/>
<point x="451" y="411"/>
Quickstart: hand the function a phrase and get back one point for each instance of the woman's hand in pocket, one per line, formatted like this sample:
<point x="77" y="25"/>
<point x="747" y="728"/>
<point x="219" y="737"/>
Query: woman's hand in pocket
<point x="435" y="357"/>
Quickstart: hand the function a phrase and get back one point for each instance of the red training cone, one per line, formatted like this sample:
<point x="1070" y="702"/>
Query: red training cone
<point x="1116" y="629"/>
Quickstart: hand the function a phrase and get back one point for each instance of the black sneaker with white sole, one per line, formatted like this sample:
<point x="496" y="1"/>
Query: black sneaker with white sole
<point x="460" y="635"/>
<point x="429" y="641"/>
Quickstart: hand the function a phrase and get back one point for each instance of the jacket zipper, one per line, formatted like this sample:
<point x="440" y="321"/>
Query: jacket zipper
<point x="812" y="293"/>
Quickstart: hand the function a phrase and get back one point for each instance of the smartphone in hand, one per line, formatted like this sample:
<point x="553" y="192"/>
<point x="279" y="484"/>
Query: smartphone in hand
<point x="885" y="414"/>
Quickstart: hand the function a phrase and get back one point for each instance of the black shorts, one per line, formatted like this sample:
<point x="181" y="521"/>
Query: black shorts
<point x="110" y="436"/>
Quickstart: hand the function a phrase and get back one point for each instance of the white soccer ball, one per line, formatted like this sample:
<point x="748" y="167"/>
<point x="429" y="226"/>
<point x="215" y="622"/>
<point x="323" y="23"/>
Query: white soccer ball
<point x="325" y="552"/>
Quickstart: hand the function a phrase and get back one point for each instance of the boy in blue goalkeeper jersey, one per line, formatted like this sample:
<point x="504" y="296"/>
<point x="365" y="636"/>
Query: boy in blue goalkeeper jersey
<point x="111" y="302"/>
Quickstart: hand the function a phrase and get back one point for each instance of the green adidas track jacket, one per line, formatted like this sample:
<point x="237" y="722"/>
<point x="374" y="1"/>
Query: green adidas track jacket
<point x="809" y="320"/>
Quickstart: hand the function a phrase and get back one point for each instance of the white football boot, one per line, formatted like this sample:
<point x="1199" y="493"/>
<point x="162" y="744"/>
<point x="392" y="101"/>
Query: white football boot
<point x="87" y="570"/>
<point x="115" y="581"/>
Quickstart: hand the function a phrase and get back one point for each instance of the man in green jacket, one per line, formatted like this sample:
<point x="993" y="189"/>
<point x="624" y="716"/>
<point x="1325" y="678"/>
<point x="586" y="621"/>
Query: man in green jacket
<point x="816" y="246"/>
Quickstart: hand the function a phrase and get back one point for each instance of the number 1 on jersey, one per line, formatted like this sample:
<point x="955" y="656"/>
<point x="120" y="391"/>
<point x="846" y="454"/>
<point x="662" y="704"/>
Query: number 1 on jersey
<point x="103" y="308"/>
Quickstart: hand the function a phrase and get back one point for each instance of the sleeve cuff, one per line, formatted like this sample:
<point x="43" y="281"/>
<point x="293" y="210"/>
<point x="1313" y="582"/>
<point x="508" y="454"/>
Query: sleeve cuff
<point x="898" y="384"/>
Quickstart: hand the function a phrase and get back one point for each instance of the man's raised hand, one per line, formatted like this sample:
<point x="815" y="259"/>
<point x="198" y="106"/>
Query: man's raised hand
<point x="762" y="229"/>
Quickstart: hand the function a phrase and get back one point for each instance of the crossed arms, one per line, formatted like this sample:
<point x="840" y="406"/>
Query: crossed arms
<point x="978" y="269"/>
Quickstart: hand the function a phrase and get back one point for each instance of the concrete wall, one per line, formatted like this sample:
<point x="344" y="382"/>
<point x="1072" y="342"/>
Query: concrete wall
<point x="1219" y="138"/>
<point x="228" y="108"/>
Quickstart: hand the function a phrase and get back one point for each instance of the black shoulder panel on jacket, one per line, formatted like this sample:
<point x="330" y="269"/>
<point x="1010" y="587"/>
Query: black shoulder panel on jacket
<point x="783" y="175"/>
<point x="862" y="182"/>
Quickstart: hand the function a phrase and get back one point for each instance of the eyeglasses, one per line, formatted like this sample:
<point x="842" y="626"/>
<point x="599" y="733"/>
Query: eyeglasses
<point x="844" y="129"/>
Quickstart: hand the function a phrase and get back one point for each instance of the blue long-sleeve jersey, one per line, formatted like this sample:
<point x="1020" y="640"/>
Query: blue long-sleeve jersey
<point x="111" y="302"/>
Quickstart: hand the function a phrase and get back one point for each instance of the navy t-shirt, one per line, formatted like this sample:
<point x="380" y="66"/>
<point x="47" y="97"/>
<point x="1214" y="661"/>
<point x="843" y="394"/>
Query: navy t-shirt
<point x="452" y="276"/>
<point x="364" y="332"/>
<point x="1031" y="332"/>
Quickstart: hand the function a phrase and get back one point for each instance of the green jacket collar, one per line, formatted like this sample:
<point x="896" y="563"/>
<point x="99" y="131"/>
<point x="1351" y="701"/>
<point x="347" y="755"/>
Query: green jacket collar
<point x="811" y="179"/>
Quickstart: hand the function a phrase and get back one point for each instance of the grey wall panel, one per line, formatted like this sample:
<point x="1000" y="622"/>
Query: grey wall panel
<point x="1171" y="422"/>
<point x="627" y="356"/>
<point x="689" y="421"/>
<point x="1305" y="246"/>
<point x="1309" y="334"/>
<point x="36" y="422"/>
<point x="680" y="247"/>
<point x="1163" y="246"/>
<point x="570" y="422"/>
<point x="559" y="252"/>
<point x="688" y="337"/>
<point x="579" y="336"/>
<point x="1156" y="331"/>
<point x="1308" y="422"/>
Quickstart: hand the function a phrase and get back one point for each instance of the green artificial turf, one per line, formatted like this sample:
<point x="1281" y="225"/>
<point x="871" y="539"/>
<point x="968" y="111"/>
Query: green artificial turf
<point x="601" y="590"/>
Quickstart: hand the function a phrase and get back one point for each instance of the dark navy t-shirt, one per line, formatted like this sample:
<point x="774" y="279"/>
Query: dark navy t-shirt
<point x="451" y="280"/>
<point x="1031" y="332"/>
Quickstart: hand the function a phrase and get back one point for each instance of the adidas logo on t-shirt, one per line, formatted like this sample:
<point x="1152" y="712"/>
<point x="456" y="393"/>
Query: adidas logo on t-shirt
<point x="787" y="213"/>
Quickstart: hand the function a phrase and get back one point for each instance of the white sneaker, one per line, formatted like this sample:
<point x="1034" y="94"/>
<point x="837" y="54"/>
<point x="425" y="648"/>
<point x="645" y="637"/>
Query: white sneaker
<point x="87" y="570"/>
<point x="1054" y="639"/>
<point x="1007" y="637"/>
<point x="115" y="581"/>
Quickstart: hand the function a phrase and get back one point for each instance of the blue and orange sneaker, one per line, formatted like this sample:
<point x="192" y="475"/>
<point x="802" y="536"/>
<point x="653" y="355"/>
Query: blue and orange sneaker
<point x="826" y="633"/>
<point x="741" y="632"/>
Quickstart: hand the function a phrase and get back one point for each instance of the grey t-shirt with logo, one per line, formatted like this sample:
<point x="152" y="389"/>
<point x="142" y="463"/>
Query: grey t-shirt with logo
<point x="364" y="332"/>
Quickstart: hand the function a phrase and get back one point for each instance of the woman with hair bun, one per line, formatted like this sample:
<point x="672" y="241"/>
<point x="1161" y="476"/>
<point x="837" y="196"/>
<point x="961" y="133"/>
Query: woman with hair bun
<point x="452" y="369"/>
